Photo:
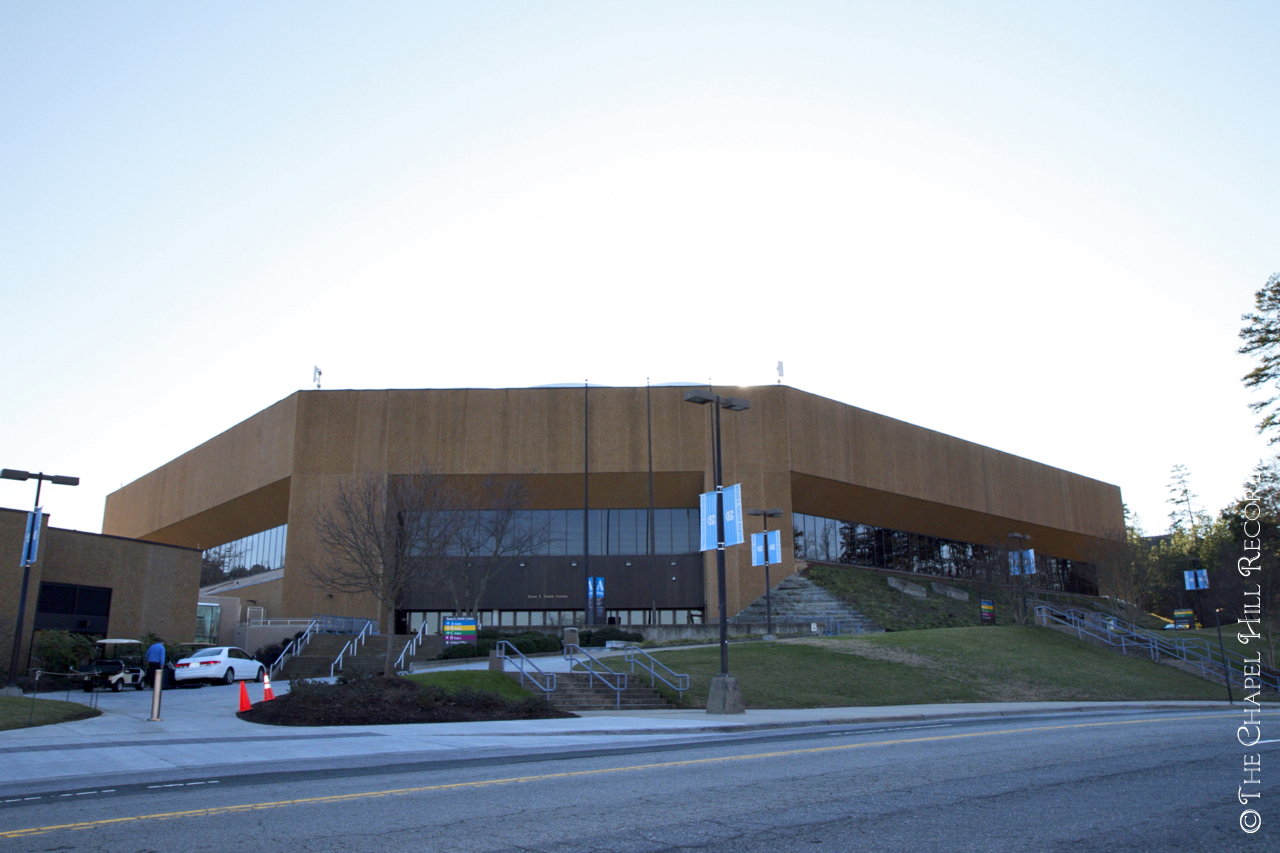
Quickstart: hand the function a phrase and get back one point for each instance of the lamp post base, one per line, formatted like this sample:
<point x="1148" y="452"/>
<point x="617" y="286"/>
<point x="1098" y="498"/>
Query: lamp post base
<point x="725" y="697"/>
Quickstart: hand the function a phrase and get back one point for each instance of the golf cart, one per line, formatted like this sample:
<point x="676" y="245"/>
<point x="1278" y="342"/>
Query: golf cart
<point x="118" y="665"/>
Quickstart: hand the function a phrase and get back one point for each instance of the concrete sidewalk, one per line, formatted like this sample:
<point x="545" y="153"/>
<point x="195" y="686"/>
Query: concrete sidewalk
<point x="200" y="736"/>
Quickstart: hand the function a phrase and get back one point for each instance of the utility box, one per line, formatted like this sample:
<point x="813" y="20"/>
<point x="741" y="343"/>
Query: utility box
<point x="571" y="636"/>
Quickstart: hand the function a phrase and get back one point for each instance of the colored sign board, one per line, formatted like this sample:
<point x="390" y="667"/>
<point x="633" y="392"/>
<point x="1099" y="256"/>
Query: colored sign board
<point x="1184" y="619"/>
<point x="1196" y="579"/>
<point x="1020" y="560"/>
<point x="458" y="630"/>
<point x="988" y="612"/>
<point x="31" y="539"/>
<point x="775" y="548"/>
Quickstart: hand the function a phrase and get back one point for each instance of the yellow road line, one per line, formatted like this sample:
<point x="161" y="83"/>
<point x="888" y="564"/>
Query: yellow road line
<point x="338" y="798"/>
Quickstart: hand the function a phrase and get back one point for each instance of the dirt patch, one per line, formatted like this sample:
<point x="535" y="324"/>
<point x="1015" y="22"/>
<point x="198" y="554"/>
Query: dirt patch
<point x="389" y="701"/>
<point x="871" y="651"/>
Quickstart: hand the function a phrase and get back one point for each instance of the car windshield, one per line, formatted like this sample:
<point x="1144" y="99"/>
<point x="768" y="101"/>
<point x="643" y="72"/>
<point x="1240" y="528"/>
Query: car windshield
<point x="207" y="653"/>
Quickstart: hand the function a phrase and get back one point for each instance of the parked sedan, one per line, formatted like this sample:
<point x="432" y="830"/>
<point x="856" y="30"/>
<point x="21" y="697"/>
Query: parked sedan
<point x="219" y="663"/>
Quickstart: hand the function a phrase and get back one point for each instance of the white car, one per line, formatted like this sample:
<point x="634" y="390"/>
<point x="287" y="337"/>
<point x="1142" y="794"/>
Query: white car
<point x="226" y="664"/>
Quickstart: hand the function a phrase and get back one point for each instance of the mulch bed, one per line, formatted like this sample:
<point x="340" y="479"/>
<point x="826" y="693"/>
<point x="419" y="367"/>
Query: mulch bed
<point x="385" y="700"/>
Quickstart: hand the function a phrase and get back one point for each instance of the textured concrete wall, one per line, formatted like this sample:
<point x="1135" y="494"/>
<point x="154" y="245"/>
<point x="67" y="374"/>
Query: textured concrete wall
<point x="791" y="450"/>
<point x="153" y="587"/>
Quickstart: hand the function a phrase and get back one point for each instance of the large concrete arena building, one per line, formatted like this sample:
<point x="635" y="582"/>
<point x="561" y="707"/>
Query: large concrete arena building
<point x="854" y="487"/>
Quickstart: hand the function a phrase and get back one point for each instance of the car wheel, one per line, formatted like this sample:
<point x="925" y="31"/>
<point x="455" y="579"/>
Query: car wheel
<point x="229" y="677"/>
<point x="88" y="687"/>
<point x="137" y="685"/>
<point x="117" y="685"/>
<point x="258" y="677"/>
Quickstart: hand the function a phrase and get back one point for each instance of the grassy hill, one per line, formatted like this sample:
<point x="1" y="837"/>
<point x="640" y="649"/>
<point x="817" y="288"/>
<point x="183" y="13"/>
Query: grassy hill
<point x="992" y="664"/>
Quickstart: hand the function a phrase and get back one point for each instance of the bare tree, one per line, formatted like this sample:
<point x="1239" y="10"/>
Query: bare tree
<point x="493" y="525"/>
<point x="381" y="534"/>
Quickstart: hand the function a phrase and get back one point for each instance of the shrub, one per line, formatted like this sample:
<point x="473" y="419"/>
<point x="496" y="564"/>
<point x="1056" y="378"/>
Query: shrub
<point x="600" y="636"/>
<point x="61" y="651"/>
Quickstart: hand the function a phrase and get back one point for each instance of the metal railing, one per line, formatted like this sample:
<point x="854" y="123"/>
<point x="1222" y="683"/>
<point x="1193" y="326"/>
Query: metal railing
<point x="650" y="664"/>
<point x="344" y="625"/>
<point x="548" y="683"/>
<point x="353" y="644"/>
<point x="296" y="645"/>
<point x="571" y="651"/>
<point x="412" y="646"/>
<point x="1196" y="651"/>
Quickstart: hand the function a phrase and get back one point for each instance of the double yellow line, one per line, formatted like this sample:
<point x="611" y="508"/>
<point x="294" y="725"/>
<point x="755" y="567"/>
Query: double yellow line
<point x="340" y="798"/>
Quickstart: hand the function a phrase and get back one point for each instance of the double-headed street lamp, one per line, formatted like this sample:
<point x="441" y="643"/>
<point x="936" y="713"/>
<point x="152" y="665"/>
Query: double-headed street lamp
<point x="724" y="697"/>
<point x="1017" y="543"/>
<point x="768" y="587"/>
<point x="28" y="557"/>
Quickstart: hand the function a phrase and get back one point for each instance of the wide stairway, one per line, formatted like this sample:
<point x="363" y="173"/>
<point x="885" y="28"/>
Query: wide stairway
<point x="577" y="691"/>
<point x="318" y="656"/>
<point x="798" y="599"/>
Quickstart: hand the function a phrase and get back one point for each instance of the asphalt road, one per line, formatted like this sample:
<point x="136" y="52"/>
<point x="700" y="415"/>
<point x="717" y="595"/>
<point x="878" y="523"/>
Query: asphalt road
<point x="1108" y="782"/>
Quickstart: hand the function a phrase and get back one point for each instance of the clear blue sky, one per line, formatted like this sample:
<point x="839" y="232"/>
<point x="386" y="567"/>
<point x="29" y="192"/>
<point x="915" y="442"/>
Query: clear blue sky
<point x="1034" y="226"/>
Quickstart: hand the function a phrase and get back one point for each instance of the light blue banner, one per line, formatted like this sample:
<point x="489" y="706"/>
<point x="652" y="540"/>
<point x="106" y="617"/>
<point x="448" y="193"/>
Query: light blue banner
<point x="31" y="541"/>
<point x="1202" y="575"/>
<point x="1019" y="559"/>
<point x="775" y="548"/>
<point x="1196" y="578"/>
<point x="734" y="532"/>
<point x="709" y="538"/>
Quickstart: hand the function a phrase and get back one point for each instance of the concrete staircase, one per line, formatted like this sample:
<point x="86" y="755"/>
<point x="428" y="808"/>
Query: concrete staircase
<point x="369" y="659"/>
<point x="577" y="691"/>
<point x="798" y="599"/>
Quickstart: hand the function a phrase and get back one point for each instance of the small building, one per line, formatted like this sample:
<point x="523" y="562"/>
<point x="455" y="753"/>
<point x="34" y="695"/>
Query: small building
<point x="94" y="584"/>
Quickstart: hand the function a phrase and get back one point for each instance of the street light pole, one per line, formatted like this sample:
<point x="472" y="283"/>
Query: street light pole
<point x="724" y="697"/>
<point x="40" y="477"/>
<point x="1019" y="539"/>
<point x="767" y="514"/>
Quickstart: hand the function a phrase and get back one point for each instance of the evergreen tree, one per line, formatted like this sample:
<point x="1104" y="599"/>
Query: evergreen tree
<point x="1261" y="336"/>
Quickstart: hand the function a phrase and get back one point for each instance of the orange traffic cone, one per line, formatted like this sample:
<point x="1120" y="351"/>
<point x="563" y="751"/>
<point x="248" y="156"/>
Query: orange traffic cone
<point x="267" y="693"/>
<point x="244" y="698"/>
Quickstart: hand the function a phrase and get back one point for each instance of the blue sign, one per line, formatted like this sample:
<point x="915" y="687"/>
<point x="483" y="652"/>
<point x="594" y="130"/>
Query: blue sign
<point x="1020" y="559"/>
<point x="31" y="540"/>
<point x="758" y="556"/>
<point x="734" y="533"/>
<point x="710" y="539"/>
<point x="1196" y="579"/>
<point x="600" y="588"/>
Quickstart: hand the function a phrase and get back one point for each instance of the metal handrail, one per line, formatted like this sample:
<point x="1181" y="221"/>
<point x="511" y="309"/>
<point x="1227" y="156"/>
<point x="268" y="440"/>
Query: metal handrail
<point x="296" y="645"/>
<point x="503" y="648"/>
<point x="353" y="644"/>
<point x="412" y="646"/>
<point x="570" y="652"/>
<point x="1116" y="632"/>
<point x="682" y="680"/>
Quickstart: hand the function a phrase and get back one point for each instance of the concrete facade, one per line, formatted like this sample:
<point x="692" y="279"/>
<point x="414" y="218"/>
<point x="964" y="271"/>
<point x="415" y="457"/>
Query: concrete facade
<point x="792" y="450"/>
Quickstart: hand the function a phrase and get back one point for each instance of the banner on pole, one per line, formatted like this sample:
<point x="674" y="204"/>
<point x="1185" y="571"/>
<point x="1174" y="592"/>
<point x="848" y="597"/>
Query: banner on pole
<point x="31" y="539"/>
<point x="775" y="548"/>
<point x="734" y="532"/>
<point x="1020" y="560"/>
<point x="710" y="539"/>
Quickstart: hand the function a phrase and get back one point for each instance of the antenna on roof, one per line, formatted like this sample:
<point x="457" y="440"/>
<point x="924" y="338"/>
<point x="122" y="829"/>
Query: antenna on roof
<point x="315" y="376"/>
<point x="779" y="373"/>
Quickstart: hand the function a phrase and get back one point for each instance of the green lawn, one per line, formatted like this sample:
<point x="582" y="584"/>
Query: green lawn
<point x="15" y="712"/>
<point x="993" y="664"/>
<point x="475" y="679"/>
